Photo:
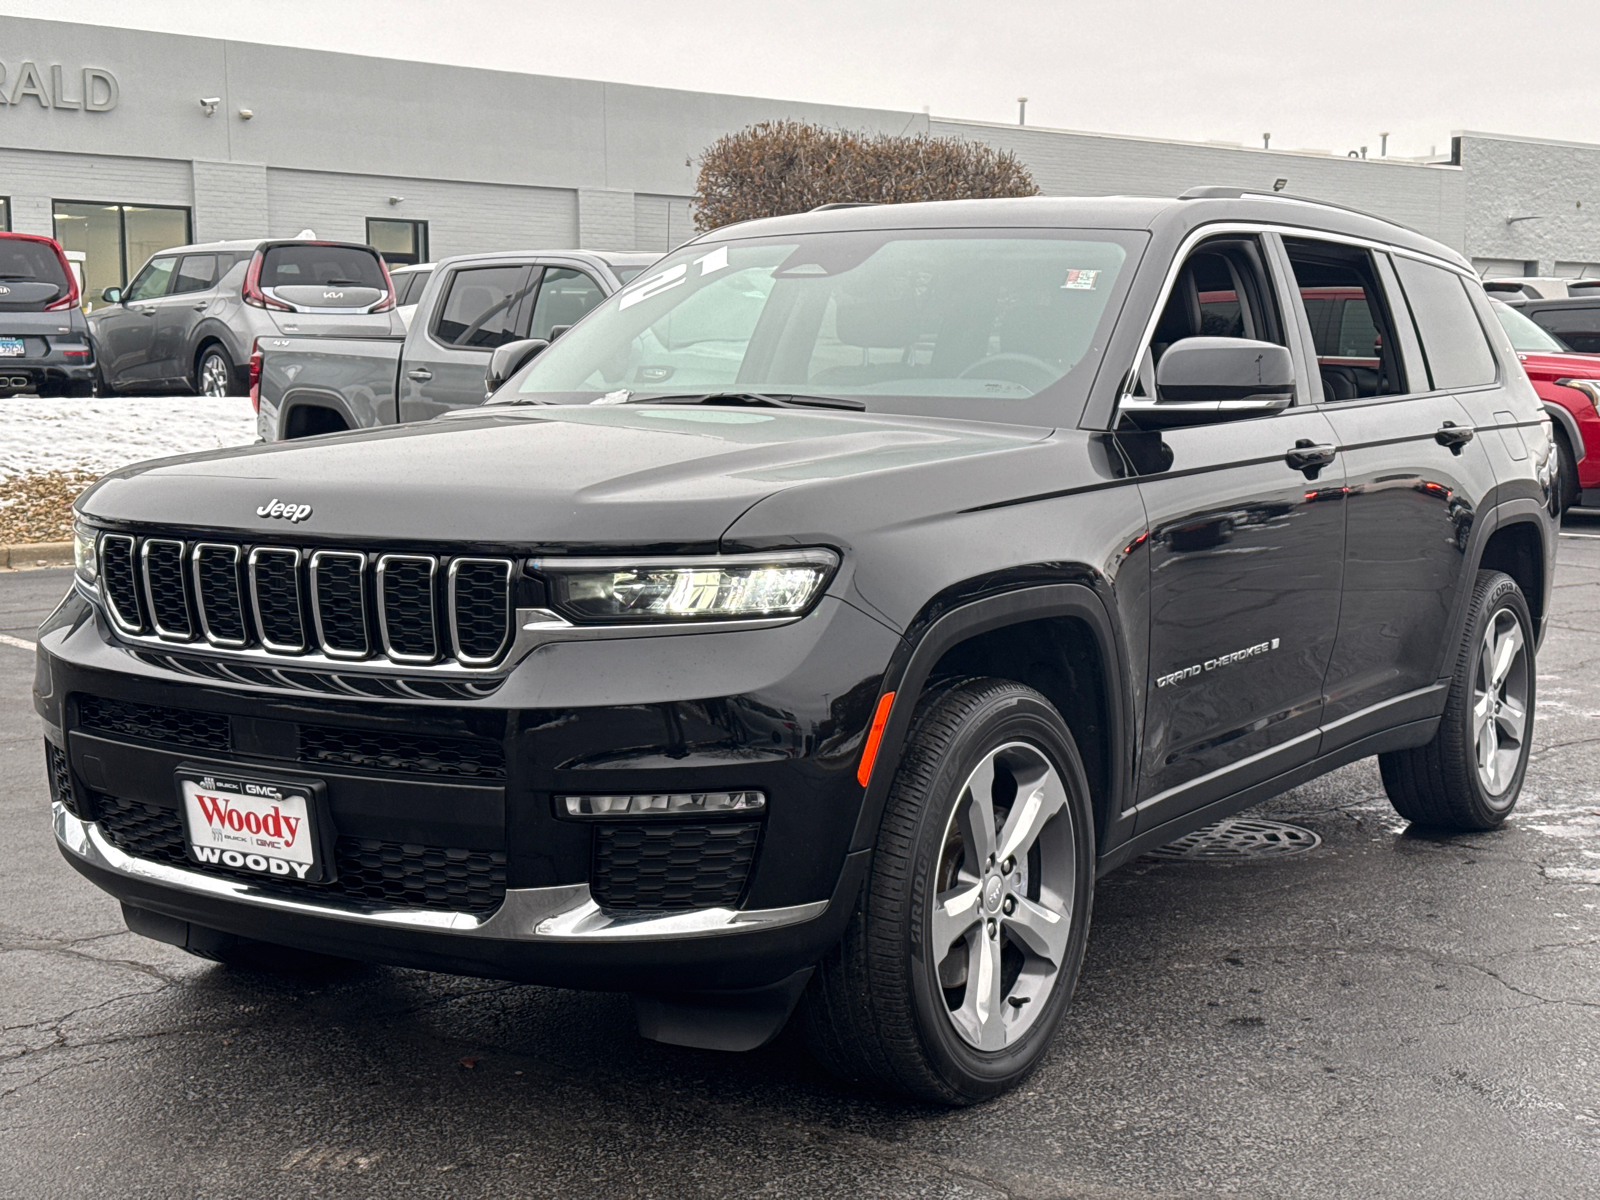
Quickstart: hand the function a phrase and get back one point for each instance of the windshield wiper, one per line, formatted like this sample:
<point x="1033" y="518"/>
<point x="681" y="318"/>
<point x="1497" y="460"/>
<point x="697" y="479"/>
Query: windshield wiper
<point x="754" y="398"/>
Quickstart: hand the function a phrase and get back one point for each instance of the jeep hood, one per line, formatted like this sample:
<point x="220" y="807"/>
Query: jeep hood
<point x="551" y="477"/>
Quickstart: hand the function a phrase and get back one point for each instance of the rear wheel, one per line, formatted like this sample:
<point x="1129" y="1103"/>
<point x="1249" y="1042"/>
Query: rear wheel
<point x="958" y="965"/>
<point x="1469" y="776"/>
<point x="214" y="374"/>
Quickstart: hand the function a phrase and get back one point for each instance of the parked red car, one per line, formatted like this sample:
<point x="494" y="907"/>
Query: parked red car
<point x="1569" y="385"/>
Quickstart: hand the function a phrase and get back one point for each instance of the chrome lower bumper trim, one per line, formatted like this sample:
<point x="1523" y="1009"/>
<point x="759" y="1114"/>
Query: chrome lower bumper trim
<point x="555" y="914"/>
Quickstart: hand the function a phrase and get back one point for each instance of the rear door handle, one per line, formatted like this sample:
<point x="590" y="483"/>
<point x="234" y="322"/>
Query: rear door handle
<point x="1453" y="435"/>
<point x="420" y="374"/>
<point x="1310" y="457"/>
<point x="144" y="312"/>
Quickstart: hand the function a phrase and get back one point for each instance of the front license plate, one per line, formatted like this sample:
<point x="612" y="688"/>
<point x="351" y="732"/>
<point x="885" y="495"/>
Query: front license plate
<point x="257" y="825"/>
<point x="11" y="347"/>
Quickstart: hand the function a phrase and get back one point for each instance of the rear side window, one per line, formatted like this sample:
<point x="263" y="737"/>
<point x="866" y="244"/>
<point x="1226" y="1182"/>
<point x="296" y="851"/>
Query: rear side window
<point x="480" y="307"/>
<point x="196" y="273"/>
<point x="410" y="291"/>
<point x="1577" y="327"/>
<point x="1453" y="341"/>
<point x="30" y="273"/>
<point x="308" y="264"/>
<point x="564" y="296"/>
<point x="1347" y="315"/>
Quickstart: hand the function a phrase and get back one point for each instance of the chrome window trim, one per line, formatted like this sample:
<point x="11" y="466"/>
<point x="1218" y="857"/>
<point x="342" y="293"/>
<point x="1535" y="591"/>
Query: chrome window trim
<point x="149" y="592"/>
<point x="433" y="607"/>
<point x="256" y="553"/>
<point x="200" y="599"/>
<point x="316" y="605"/>
<point x="565" y="913"/>
<point x="112" y="611"/>
<point x="478" y="660"/>
<point x="1253" y="228"/>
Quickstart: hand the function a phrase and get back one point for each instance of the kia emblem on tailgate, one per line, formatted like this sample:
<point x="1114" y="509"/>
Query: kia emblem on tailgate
<point x="333" y="295"/>
<point x="293" y="513"/>
<point x="4" y="290"/>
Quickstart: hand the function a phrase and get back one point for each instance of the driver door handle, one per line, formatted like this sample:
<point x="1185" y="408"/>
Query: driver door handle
<point x="420" y="374"/>
<point x="1453" y="435"/>
<point x="1310" y="457"/>
<point x="144" y="312"/>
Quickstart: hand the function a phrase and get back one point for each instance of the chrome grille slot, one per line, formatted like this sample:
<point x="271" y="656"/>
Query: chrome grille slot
<point x="119" y="581"/>
<point x="219" y="596"/>
<point x="167" y="589"/>
<point x="275" y="596"/>
<point x="339" y="603"/>
<point x="480" y="609"/>
<point x="406" y="619"/>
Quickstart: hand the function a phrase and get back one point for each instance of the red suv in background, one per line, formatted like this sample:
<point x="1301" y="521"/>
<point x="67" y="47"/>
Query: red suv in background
<point x="44" y="339"/>
<point x="1569" y="386"/>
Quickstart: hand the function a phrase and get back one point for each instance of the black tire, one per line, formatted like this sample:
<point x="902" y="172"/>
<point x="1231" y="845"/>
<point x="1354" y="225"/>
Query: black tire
<point x="877" y="1011"/>
<point x="1567" y="481"/>
<point x="1441" y="784"/>
<point x="215" y="374"/>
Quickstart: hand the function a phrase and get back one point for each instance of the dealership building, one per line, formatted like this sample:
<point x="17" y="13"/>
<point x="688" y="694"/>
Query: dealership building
<point x="121" y="143"/>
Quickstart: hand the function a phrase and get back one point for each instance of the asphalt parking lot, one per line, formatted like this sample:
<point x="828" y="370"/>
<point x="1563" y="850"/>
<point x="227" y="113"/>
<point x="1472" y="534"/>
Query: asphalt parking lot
<point x="1389" y="1015"/>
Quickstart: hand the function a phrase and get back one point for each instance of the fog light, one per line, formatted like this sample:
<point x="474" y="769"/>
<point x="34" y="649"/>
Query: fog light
<point x="663" y="803"/>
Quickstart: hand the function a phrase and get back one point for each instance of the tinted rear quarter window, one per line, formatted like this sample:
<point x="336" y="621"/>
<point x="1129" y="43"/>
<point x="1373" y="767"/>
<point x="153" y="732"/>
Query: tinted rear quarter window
<point x="1577" y="327"/>
<point x="1453" y="341"/>
<point x="308" y="264"/>
<point x="196" y="273"/>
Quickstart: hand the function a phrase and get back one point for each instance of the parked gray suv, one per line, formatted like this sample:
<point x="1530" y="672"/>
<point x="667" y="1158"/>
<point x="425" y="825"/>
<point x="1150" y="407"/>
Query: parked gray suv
<point x="192" y="313"/>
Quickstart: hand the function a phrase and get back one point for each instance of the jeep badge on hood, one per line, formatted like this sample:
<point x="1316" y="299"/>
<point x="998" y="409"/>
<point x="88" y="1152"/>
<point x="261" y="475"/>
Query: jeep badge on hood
<point x="293" y="513"/>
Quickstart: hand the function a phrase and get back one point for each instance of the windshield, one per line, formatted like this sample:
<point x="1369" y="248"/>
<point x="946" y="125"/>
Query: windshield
<point x="1525" y="335"/>
<point x="964" y="323"/>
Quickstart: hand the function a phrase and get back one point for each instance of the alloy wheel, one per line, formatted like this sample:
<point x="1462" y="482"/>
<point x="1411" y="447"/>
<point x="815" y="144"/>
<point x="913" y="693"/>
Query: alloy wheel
<point x="1001" y="917"/>
<point x="214" y="376"/>
<point x="1500" y="702"/>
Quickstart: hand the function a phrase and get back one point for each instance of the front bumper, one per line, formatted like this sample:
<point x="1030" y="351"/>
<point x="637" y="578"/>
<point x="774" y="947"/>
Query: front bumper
<point x="596" y="717"/>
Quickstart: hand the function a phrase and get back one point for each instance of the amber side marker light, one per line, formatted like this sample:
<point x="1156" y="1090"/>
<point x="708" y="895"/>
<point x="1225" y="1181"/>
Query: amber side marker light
<point x="880" y="718"/>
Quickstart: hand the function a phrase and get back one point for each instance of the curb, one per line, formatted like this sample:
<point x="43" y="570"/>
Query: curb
<point x="38" y="554"/>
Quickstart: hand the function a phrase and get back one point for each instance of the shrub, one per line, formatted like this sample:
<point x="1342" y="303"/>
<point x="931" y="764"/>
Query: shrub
<point x="780" y="167"/>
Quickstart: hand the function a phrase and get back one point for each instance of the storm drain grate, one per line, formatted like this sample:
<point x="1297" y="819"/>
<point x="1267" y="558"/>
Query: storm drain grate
<point x="1237" y="838"/>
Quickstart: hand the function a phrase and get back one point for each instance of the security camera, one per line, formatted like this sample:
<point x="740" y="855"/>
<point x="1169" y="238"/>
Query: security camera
<point x="209" y="104"/>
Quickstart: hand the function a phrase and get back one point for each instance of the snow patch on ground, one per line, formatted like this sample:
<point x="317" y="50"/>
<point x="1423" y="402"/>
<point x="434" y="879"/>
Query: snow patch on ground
<point x="103" y="434"/>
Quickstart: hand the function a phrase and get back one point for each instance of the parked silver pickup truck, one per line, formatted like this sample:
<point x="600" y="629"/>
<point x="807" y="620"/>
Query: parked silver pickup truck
<point x="470" y="305"/>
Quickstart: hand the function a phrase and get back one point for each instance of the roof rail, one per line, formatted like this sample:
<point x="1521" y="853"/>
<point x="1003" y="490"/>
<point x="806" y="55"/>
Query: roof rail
<point x="1210" y="192"/>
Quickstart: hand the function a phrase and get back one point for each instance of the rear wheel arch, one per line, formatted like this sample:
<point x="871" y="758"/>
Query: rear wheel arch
<point x="1516" y="547"/>
<point x="308" y="419"/>
<point x="1056" y="638"/>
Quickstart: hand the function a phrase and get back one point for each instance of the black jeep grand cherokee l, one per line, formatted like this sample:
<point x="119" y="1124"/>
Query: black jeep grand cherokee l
<point x="819" y="617"/>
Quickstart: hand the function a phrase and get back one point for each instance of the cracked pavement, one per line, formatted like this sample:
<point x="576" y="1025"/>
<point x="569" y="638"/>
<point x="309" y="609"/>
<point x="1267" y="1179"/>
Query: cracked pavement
<point x="1391" y="1015"/>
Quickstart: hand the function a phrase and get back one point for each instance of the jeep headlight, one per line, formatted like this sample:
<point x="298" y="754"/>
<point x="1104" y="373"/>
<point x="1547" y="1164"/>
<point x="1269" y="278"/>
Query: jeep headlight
<point x="85" y="554"/>
<point x="720" y="587"/>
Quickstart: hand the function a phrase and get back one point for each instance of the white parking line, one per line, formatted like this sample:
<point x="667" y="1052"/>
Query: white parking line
<point x="8" y="640"/>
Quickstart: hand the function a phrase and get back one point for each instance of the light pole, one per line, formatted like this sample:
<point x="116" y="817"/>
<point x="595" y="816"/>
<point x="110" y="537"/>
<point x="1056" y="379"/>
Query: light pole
<point x="1022" y="110"/>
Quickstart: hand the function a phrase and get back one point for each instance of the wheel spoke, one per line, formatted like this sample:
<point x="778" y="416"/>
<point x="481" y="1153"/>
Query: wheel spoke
<point x="954" y="914"/>
<point x="982" y="1007"/>
<point x="1040" y="929"/>
<point x="1482" y="714"/>
<point x="1489" y="756"/>
<point x="1505" y="653"/>
<point x="1038" y="799"/>
<point x="977" y="815"/>
<point x="1512" y="720"/>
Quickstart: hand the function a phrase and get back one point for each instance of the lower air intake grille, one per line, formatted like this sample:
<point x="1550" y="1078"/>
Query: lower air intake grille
<point x="152" y="723"/>
<point x="402" y="752"/>
<point x="61" y="789"/>
<point x="672" y="866"/>
<point x="445" y="878"/>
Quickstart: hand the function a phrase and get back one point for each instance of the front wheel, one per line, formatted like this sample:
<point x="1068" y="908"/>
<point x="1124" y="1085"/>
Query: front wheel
<point x="957" y="967"/>
<point x="215" y="376"/>
<point x="1470" y="775"/>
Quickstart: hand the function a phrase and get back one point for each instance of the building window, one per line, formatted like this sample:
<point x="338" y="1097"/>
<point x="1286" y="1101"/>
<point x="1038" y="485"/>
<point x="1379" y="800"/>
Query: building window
<point x="400" y="242"/>
<point x="5" y="214"/>
<point x="116" y="239"/>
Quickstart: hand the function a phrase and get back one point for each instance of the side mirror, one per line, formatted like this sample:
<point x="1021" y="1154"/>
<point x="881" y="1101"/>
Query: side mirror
<point x="1202" y="380"/>
<point x="508" y="359"/>
<point x="111" y="295"/>
<point x="557" y="330"/>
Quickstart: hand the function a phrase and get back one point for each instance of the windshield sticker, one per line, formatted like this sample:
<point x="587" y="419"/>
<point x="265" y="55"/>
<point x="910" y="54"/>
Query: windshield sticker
<point x="1082" y="281"/>
<point x="711" y="263"/>
<point x="654" y="285"/>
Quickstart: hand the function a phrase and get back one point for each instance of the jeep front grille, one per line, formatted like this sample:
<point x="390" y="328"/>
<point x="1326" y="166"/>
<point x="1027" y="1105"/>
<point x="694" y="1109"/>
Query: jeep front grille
<point x="346" y="605"/>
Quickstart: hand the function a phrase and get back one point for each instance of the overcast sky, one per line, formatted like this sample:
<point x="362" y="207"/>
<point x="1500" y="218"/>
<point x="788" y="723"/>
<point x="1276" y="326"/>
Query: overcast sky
<point x="1327" y="75"/>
